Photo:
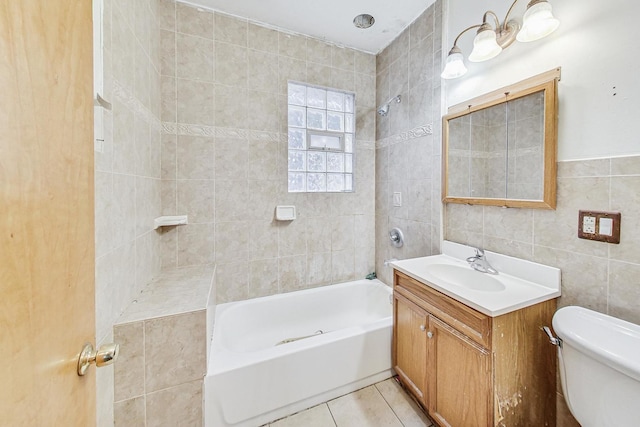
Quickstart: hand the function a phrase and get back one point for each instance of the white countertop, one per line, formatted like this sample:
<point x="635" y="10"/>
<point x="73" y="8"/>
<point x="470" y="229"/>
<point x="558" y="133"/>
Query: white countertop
<point x="525" y="283"/>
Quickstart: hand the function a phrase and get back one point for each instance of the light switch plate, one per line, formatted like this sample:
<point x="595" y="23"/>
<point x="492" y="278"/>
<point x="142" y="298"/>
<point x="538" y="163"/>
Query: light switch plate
<point x="600" y="226"/>
<point x="397" y="199"/>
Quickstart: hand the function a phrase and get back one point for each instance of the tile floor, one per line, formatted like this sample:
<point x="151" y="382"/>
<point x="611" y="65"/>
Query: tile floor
<point x="384" y="404"/>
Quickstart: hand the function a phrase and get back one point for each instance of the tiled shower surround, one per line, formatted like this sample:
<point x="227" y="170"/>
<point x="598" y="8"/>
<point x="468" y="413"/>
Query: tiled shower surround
<point x="408" y="141"/>
<point x="224" y="156"/>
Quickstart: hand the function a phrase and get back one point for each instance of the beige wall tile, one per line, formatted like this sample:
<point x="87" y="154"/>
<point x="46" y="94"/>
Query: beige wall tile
<point x="262" y="38"/>
<point x="342" y="233"/>
<point x="194" y="21"/>
<point x="343" y="265"/>
<point x="263" y="158"/>
<point x="195" y="157"/>
<point x="195" y="102"/>
<point x="584" y="168"/>
<point x="129" y="371"/>
<point x="232" y="282"/>
<point x="319" y="75"/>
<point x="291" y="69"/>
<point x="263" y="277"/>
<point x="584" y="277"/>
<point x="232" y="241"/>
<point x="292" y="237"/>
<point x="231" y="64"/>
<point x="195" y="58"/>
<point x="318" y="52"/>
<point x="262" y="111"/>
<point x="343" y="58"/>
<point x="365" y="63"/>
<point x="558" y="229"/>
<point x="230" y="30"/>
<point x="364" y="261"/>
<point x="181" y="405"/>
<point x="174" y="351"/>
<point x="130" y="413"/>
<point x="263" y="243"/>
<point x="231" y="106"/>
<point x="262" y="71"/>
<point x="625" y="165"/>
<point x="625" y="199"/>
<point x="292" y="273"/>
<point x="195" y="244"/>
<point x="624" y="291"/>
<point x="167" y="53"/>
<point x="232" y="200"/>
<point x="262" y="199"/>
<point x="343" y="79"/>
<point x="319" y="269"/>
<point x="231" y="157"/>
<point x="169" y="99"/>
<point x="292" y="45"/>
<point x="167" y="14"/>
<point x="195" y="198"/>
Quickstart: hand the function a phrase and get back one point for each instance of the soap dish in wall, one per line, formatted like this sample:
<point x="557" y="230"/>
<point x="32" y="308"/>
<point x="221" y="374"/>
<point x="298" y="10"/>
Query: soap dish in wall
<point x="285" y="213"/>
<point x="165" y="221"/>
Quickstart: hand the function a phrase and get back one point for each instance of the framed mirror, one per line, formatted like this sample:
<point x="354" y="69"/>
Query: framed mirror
<point x="500" y="149"/>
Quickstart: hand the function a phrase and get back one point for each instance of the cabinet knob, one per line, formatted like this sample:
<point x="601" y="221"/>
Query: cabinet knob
<point x="423" y="328"/>
<point x="430" y="334"/>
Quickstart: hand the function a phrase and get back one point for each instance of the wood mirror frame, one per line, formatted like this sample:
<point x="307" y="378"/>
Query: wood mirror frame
<point x="544" y="84"/>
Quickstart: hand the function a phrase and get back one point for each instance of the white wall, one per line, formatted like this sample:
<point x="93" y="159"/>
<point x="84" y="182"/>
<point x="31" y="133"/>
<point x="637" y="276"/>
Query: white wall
<point x="596" y="46"/>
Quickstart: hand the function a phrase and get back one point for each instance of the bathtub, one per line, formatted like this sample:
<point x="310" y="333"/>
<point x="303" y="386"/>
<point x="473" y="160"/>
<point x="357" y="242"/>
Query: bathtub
<point x="274" y="356"/>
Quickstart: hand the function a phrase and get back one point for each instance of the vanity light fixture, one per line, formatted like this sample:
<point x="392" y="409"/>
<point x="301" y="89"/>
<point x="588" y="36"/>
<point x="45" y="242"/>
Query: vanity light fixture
<point x="538" y="22"/>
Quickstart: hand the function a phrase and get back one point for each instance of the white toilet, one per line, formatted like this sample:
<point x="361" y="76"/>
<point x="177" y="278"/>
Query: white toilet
<point x="599" y="359"/>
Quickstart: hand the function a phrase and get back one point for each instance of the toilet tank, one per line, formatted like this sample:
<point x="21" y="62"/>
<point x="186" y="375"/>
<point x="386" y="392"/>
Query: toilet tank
<point x="599" y="367"/>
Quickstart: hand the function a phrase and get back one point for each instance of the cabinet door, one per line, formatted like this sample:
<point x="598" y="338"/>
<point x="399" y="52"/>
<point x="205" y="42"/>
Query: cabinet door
<point x="458" y="378"/>
<point x="410" y="345"/>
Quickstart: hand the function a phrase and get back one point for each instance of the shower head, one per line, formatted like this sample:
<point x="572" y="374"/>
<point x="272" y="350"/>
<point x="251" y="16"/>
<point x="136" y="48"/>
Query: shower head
<point x="383" y="110"/>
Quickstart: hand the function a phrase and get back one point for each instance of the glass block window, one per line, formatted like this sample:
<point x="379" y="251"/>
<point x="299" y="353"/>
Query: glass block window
<point x="321" y="139"/>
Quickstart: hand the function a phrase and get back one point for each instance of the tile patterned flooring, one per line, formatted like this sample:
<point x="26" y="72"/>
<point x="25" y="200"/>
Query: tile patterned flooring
<point x="384" y="404"/>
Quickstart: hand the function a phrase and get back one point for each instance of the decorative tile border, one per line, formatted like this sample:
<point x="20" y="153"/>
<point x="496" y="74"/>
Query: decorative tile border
<point x="170" y="128"/>
<point x="124" y="96"/>
<point x="414" y="133"/>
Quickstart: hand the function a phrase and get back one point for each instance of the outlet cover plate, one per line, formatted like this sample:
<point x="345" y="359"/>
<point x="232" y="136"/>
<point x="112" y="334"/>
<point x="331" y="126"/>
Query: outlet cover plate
<point x="594" y="234"/>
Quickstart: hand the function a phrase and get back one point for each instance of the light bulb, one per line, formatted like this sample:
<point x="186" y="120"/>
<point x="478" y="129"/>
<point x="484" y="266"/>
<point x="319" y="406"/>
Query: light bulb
<point x="454" y="66"/>
<point x="538" y="22"/>
<point x="485" y="45"/>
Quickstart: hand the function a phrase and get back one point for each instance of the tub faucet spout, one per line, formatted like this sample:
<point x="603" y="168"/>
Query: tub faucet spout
<point x="479" y="263"/>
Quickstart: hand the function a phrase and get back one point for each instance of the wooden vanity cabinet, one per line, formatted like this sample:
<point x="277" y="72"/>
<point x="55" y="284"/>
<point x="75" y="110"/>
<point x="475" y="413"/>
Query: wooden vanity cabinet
<point x="470" y="369"/>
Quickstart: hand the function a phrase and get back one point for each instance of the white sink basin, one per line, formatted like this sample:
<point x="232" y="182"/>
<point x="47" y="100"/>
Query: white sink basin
<point x="466" y="277"/>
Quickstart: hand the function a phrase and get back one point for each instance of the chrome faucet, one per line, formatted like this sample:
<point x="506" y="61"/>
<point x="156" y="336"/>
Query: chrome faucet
<point x="480" y="263"/>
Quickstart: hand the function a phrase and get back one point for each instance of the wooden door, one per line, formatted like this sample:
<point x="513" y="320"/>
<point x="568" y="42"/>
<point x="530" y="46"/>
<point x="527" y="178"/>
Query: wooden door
<point x="410" y="345"/>
<point x="458" y="378"/>
<point x="46" y="212"/>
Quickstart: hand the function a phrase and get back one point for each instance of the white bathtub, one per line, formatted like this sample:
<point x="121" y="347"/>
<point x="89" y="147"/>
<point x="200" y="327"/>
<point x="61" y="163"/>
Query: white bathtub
<point x="251" y="381"/>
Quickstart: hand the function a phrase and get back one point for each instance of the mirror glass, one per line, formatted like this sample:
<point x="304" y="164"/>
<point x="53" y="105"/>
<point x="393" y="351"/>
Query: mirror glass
<point x="503" y="152"/>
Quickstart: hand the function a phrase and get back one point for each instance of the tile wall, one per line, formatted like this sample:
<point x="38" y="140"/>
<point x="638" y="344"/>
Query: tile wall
<point x="224" y="156"/>
<point x="127" y="172"/>
<point x="600" y="276"/>
<point x="408" y="141"/>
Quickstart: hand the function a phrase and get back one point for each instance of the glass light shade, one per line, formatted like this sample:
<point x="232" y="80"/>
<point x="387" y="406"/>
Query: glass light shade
<point x="538" y="22"/>
<point x="485" y="46"/>
<point x="454" y="66"/>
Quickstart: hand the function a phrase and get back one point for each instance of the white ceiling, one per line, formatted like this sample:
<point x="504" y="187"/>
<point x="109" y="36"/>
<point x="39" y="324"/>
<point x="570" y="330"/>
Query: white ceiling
<point x="330" y="20"/>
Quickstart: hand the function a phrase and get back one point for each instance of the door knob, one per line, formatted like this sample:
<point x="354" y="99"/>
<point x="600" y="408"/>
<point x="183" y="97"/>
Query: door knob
<point x="105" y="355"/>
<point x="423" y="328"/>
<point x="430" y="334"/>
